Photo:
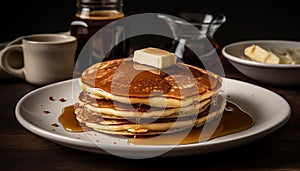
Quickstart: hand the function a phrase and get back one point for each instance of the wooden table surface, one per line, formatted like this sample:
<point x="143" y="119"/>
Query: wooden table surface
<point x="23" y="150"/>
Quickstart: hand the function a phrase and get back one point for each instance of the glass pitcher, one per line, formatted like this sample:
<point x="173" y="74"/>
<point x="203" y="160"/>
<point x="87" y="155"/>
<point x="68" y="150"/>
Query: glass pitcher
<point x="195" y="46"/>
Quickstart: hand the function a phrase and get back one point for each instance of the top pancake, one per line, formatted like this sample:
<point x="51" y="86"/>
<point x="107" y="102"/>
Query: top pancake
<point x="129" y="82"/>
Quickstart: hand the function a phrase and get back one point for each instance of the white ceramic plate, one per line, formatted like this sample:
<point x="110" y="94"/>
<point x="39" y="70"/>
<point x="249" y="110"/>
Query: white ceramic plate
<point x="251" y="98"/>
<point x="273" y="74"/>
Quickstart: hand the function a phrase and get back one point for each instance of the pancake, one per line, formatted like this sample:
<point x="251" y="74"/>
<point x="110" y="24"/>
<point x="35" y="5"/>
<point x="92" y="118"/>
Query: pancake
<point x="143" y="126"/>
<point x="126" y="98"/>
<point x="125" y="81"/>
<point x="115" y="110"/>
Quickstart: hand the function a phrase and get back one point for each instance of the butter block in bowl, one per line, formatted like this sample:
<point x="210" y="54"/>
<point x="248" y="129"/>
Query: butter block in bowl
<point x="273" y="62"/>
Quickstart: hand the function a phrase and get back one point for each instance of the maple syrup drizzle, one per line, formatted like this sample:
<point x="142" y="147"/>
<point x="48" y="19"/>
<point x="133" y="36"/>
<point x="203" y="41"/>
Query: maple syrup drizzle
<point x="232" y="121"/>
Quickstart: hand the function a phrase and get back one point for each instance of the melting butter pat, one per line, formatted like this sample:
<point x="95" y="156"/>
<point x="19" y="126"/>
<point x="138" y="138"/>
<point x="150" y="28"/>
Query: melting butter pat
<point x="260" y="54"/>
<point x="155" y="57"/>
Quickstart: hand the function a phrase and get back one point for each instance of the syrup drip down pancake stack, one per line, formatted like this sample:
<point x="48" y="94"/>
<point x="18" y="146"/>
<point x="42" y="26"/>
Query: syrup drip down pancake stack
<point x="127" y="97"/>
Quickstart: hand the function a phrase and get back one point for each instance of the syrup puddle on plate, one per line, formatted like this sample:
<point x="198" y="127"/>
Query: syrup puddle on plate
<point x="68" y="120"/>
<point x="233" y="120"/>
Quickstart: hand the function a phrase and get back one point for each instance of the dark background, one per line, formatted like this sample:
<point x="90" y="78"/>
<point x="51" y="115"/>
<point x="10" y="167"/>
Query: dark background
<point x="245" y="19"/>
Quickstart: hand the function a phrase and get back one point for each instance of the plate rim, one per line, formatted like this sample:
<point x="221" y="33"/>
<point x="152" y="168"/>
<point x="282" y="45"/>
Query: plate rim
<point x="66" y="141"/>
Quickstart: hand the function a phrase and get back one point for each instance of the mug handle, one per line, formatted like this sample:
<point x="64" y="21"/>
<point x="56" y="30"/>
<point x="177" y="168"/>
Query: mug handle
<point x="5" y="53"/>
<point x="16" y="41"/>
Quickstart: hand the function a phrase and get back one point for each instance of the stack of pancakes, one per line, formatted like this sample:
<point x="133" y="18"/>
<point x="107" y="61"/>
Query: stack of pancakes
<point x="127" y="98"/>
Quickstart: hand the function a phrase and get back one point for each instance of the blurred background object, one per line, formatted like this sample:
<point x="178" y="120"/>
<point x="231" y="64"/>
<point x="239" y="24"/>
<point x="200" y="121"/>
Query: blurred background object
<point x="245" y="19"/>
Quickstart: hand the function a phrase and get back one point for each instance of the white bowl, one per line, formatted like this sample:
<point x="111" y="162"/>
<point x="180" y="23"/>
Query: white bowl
<point x="273" y="74"/>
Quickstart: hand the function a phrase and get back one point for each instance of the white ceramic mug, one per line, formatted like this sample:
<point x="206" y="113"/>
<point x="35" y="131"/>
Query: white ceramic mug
<point x="47" y="58"/>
